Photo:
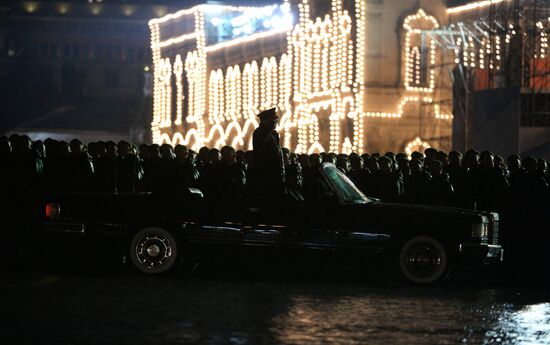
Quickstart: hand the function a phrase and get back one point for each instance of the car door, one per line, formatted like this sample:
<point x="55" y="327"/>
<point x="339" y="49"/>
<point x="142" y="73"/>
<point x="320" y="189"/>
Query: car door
<point x="263" y="237"/>
<point x="313" y="228"/>
<point x="361" y="238"/>
<point x="214" y="238"/>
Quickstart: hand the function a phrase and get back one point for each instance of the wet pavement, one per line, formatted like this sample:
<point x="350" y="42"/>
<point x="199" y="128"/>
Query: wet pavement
<point x="128" y="308"/>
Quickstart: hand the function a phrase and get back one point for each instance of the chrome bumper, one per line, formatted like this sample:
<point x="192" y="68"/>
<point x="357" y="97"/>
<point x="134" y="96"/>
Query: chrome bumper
<point x="489" y="253"/>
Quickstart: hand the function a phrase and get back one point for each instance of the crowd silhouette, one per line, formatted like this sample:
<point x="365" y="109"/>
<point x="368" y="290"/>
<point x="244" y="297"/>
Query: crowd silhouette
<point x="482" y="181"/>
<point x="516" y="188"/>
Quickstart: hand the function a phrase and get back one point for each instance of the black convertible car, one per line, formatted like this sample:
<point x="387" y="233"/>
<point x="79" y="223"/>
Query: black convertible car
<point x="160" y="232"/>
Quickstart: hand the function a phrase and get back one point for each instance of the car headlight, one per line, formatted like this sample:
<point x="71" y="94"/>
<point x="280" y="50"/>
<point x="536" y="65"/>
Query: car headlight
<point x="479" y="230"/>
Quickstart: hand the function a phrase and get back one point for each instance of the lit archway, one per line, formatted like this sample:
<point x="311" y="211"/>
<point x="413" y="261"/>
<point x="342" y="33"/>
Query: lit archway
<point x="416" y="145"/>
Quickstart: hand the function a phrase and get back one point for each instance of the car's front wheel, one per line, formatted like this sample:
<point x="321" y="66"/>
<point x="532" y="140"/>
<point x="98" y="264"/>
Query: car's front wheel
<point x="153" y="250"/>
<point x="423" y="260"/>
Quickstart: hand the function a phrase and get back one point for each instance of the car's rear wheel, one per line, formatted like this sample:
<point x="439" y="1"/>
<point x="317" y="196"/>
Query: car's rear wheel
<point x="423" y="260"/>
<point x="154" y="250"/>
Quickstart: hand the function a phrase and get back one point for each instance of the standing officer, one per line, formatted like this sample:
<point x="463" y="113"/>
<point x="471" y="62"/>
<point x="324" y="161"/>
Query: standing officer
<point x="268" y="157"/>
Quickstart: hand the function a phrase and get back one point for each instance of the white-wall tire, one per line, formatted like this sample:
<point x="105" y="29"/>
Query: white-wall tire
<point x="153" y="250"/>
<point x="423" y="260"/>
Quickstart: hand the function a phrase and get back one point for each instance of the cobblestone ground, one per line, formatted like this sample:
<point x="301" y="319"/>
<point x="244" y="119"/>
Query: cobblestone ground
<point x="120" y="307"/>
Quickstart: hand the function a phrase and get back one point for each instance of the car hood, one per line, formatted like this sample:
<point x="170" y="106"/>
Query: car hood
<point x="397" y="209"/>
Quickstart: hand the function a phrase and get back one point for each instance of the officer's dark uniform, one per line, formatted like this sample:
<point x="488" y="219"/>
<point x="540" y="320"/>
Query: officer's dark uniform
<point x="268" y="159"/>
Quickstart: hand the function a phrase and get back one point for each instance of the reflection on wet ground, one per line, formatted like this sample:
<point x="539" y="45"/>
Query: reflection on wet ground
<point x="132" y="309"/>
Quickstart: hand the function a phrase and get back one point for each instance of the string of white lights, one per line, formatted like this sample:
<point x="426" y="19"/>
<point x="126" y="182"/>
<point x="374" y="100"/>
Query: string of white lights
<point x="473" y="6"/>
<point x="246" y="39"/>
<point x="175" y="40"/>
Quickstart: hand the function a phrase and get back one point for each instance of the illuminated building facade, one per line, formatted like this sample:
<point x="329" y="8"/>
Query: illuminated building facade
<point x="345" y="75"/>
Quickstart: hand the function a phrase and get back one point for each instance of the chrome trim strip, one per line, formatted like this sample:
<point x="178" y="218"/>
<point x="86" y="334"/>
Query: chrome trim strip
<point x="65" y="227"/>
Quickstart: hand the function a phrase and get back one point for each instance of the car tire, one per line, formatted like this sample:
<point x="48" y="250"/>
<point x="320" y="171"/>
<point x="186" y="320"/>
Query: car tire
<point x="154" y="250"/>
<point x="423" y="260"/>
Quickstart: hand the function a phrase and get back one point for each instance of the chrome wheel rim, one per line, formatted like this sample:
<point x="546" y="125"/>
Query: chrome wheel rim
<point x="423" y="260"/>
<point x="153" y="251"/>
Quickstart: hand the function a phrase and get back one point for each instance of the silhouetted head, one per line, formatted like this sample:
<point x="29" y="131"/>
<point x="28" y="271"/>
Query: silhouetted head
<point x="269" y="118"/>
<point x="110" y="149"/>
<point x="24" y="144"/>
<point x="166" y="151"/>
<point x="203" y="154"/>
<point x="442" y="157"/>
<point x="342" y="162"/>
<point x="144" y="152"/>
<point x="436" y="168"/>
<point x="76" y="147"/>
<point x="530" y="164"/>
<point x="39" y="149"/>
<point x="228" y="155"/>
<point x="403" y="165"/>
<point x="214" y="156"/>
<point x="50" y="146"/>
<point x="514" y="163"/>
<point x="286" y="156"/>
<point x="304" y="160"/>
<point x="365" y="156"/>
<point x="239" y="157"/>
<point x="123" y="148"/>
<point x="417" y="155"/>
<point x="372" y="164"/>
<point x="401" y="156"/>
<point x="471" y="159"/>
<point x="455" y="159"/>
<point x="356" y="163"/>
<point x="63" y="149"/>
<point x="487" y="160"/>
<point x="293" y="159"/>
<point x="499" y="162"/>
<point x="14" y="140"/>
<point x="5" y="146"/>
<point x="385" y="164"/>
<point x="429" y="154"/>
<point x="181" y="152"/>
<point x="315" y="160"/>
<point x="191" y="155"/>
<point x="92" y="150"/>
<point x="542" y="166"/>
<point x="154" y="151"/>
<point x="329" y="158"/>
<point x="415" y="165"/>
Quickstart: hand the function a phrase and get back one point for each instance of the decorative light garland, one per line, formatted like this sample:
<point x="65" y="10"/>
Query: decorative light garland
<point x="178" y="73"/>
<point x="473" y="6"/>
<point x="416" y="143"/>
<point x="415" y="26"/>
<point x="486" y="52"/>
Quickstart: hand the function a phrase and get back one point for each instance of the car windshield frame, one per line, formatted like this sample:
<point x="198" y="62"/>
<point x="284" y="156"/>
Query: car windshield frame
<point x="344" y="189"/>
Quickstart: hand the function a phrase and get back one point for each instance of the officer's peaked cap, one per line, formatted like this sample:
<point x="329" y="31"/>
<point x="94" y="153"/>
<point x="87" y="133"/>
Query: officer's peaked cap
<point x="267" y="114"/>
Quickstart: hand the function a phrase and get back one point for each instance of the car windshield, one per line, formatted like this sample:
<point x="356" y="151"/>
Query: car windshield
<point x="345" y="189"/>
